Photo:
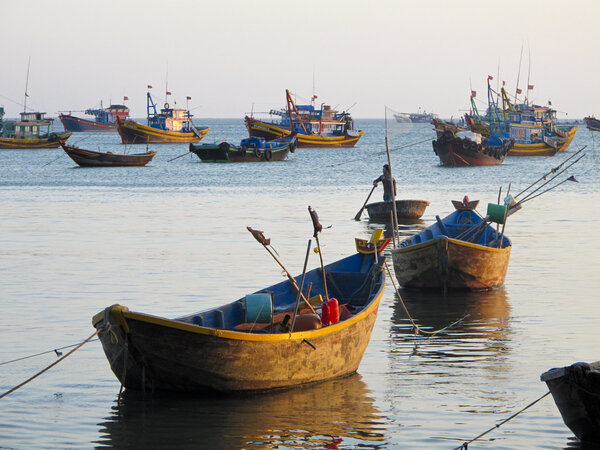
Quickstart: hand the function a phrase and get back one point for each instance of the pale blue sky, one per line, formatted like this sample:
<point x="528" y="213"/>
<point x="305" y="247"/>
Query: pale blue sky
<point x="230" y="54"/>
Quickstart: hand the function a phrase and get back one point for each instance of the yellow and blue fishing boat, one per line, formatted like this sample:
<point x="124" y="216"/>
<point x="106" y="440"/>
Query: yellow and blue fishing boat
<point x="261" y="341"/>
<point x="316" y="127"/>
<point x="171" y="125"/>
<point x="32" y="131"/>
<point x="460" y="251"/>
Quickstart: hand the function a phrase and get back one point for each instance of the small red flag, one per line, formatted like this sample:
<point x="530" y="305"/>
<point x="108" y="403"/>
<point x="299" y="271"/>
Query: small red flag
<point x="188" y="98"/>
<point x="530" y="87"/>
<point x="503" y="83"/>
<point x="490" y="77"/>
<point x="168" y="93"/>
<point x="125" y="98"/>
<point x="473" y="93"/>
<point x="549" y="102"/>
<point x="519" y="91"/>
<point x="149" y="87"/>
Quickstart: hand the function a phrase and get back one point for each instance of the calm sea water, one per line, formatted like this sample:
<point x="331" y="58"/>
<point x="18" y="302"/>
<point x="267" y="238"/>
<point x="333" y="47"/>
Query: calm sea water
<point x="170" y="239"/>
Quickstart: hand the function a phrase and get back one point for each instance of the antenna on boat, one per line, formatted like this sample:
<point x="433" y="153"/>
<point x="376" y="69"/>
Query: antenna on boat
<point x="26" y="86"/>
<point x="528" y="73"/>
<point x="518" y="75"/>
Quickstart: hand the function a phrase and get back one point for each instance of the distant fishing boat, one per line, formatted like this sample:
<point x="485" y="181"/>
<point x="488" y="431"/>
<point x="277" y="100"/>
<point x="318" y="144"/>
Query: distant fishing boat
<point x="316" y="127"/>
<point x="576" y="392"/>
<point x="171" y="125"/>
<point x="592" y="123"/>
<point x="255" y="343"/>
<point x="460" y="251"/>
<point x="405" y="209"/>
<point x="418" y="117"/>
<point x="32" y="131"/>
<point x="90" y="158"/>
<point x="469" y="149"/>
<point x="252" y="149"/>
<point x="105" y="119"/>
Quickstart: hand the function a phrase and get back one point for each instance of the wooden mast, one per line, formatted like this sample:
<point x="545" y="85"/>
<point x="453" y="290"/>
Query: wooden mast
<point x="290" y="105"/>
<point x="26" y="86"/>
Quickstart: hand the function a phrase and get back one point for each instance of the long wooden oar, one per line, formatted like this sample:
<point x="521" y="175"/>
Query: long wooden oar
<point x="318" y="227"/>
<point x="359" y="213"/>
<point x="301" y="285"/>
<point x="260" y="237"/>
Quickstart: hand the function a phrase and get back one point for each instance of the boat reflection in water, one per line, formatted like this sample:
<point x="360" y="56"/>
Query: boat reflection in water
<point x="483" y="334"/>
<point x="326" y="415"/>
<point x="406" y="227"/>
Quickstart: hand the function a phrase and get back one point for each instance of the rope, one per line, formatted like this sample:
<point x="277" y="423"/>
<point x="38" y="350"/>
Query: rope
<point x="56" y="350"/>
<point x="47" y="368"/>
<point x="415" y="326"/>
<point x="379" y="153"/>
<point x="466" y="444"/>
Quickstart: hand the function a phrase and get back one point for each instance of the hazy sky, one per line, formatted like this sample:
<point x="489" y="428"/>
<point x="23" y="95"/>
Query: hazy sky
<point x="228" y="55"/>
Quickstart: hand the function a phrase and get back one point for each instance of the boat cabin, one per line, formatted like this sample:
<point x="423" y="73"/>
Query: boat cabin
<point x="110" y="114"/>
<point x="28" y="127"/>
<point x="169" y="119"/>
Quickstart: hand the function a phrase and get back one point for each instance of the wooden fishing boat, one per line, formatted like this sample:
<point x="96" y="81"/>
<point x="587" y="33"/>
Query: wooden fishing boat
<point x="536" y="140"/>
<point x="458" y="150"/>
<point x="405" y="209"/>
<point x="90" y="158"/>
<point x="169" y="126"/>
<point x="247" y="345"/>
<point x="32" y="131"/>
<point x="324" y="127"/>
<point x="105" y="119"/>
<point x="592" y="123"/>
<point x="460" y="251"/>
<point x="252" y="149"/>
<point x="576" y="392"/>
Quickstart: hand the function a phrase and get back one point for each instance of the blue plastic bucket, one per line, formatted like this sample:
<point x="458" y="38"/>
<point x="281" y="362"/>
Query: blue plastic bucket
<point x="259" y="308"/>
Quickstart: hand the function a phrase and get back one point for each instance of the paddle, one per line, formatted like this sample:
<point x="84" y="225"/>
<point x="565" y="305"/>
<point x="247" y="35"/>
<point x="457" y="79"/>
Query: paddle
<point x="359" y="213"/>
<point x="318" y="227"/>
<point x="301" y="285"/>
<point x="260" y="237"/>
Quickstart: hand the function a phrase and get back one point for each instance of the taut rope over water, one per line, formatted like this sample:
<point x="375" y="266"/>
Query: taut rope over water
<point x="47" y="368"/>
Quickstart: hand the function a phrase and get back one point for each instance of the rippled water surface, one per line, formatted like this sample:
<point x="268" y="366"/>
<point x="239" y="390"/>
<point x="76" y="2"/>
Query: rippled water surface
<point x="170" y="239"/>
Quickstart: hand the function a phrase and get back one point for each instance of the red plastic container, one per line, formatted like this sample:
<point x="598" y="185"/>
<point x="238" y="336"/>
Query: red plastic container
<point x="325" y="313"/>
<point x="334" y="310"/>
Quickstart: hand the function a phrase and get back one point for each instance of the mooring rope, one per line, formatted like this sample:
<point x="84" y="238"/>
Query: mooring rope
<point x="370" y="155"/>
<point x="465" y="445"/>
<point x="415" y="326"/>
<point x="55" y="350"/>
<point x="47" y="368"/>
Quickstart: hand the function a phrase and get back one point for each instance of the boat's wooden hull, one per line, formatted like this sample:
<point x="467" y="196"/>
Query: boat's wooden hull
<point x="592" y="123"/>
<point x="88" y="158"/>
<point x="135" y="133"/>
<point x="220" y="349"/>
<point x="169" y="355"/>
<point x="77" y="124"/>
<point x="405" y="209"/>
<point x="454" y="151"/>
<point x="450" y="263"/>
<point x="542" y="148"/>
<point x="17" y="143"/>
<point x="224" y="152"/>
<point x="576" y="392"/>
<point x="271" y="131"/>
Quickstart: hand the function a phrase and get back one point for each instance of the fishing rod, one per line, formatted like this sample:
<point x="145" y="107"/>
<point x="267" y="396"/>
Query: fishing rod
<point x="571" y="178"/>
<point x="527" y="197"/>
<point x="543" y="177"/>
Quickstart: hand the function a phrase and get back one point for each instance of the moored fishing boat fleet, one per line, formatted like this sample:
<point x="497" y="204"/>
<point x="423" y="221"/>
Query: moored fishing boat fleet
<point x="326" y="311"/>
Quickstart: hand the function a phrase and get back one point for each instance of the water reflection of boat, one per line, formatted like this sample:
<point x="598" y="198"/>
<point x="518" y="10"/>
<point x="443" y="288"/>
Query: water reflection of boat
<point x="482" y="333"/>
<point x="338" y="412"/>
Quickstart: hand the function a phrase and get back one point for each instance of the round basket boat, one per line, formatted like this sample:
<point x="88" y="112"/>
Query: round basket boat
<point x="405" y="209"/>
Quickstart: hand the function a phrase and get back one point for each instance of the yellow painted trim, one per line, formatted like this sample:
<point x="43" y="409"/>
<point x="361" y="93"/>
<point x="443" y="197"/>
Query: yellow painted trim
<point x="459" y="243"/>
<point x="131" y="125"/>
<point x="240" y="336"/>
